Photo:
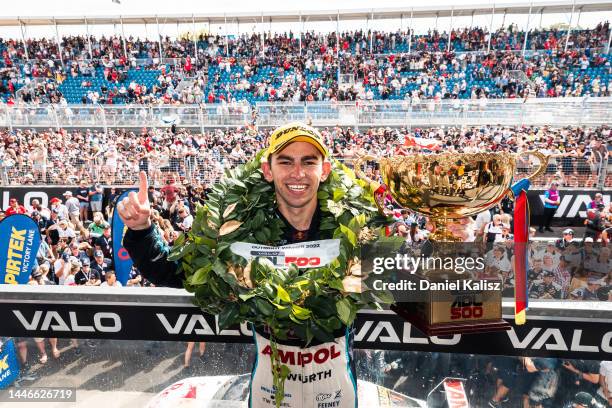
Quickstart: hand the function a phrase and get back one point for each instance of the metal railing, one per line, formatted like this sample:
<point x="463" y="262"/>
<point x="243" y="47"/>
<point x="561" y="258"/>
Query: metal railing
<point x="569" y="172"/>
<point x="512" y="112"/>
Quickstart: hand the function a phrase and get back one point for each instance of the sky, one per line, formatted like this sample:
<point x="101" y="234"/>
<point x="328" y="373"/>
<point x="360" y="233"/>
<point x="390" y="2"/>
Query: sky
<point x="160" y="7"/>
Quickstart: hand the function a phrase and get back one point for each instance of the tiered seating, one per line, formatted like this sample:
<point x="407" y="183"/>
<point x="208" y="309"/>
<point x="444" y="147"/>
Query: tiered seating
<point x="73" y="91"/>
<point x="263" y="73"/>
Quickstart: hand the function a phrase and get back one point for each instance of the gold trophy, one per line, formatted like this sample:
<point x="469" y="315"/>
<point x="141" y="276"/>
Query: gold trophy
<point x="447" y="187"/>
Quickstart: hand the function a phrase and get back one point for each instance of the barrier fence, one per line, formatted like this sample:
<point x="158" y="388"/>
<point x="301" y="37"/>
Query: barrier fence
<point x="543" y="111"/>
<point x="570" y="172"/>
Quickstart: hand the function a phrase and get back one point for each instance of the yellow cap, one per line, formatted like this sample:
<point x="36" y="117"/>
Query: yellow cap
<point x="295" y="132"/>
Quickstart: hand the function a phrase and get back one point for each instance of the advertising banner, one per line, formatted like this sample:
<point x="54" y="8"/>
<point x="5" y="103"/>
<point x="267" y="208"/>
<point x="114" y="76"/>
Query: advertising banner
<point x="19" y="242"/>
<point x="9" y="365"/>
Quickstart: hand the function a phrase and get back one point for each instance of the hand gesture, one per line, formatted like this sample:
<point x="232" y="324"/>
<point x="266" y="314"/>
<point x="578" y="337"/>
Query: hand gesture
<point x="135" y="209"/>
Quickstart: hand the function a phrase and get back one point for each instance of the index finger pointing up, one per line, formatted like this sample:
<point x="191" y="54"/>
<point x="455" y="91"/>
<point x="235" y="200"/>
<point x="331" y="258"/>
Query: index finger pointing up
<point x="143" y="187"/>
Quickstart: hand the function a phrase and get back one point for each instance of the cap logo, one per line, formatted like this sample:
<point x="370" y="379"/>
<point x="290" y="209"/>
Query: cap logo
<point x="293" y="129"/>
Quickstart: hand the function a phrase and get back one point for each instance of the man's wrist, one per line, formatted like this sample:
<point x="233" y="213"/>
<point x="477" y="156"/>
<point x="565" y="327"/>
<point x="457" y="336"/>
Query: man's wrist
<point x="140" y="231"/>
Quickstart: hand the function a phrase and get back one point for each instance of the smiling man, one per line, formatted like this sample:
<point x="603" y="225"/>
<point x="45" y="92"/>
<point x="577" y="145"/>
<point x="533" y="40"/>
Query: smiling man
<point x="296" y="165"/>
<point x="296" y="162"/>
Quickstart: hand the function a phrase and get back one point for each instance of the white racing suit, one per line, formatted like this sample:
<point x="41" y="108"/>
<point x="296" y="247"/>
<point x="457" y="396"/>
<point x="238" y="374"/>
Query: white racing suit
<point x="321" y="375"/>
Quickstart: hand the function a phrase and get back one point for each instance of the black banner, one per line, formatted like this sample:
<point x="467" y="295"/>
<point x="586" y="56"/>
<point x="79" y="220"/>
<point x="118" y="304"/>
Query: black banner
<point x="44" y="194"/>
<point x="571" y="211"/>
<point x="569" y="338"/>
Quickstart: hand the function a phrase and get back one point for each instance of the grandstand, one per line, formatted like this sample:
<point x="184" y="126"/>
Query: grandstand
<point x="395" y="65"/>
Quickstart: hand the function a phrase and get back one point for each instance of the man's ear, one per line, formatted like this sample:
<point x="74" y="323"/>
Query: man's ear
<point x="326" y="170"/>
<point x="267" y="171"/>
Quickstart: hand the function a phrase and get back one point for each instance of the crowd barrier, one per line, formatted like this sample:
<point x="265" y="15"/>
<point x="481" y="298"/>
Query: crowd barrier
<point x="131" y="348"/>
<point x="570" y="172"/>
<point x="511" y="112"/>
<point x="571" y="330"/>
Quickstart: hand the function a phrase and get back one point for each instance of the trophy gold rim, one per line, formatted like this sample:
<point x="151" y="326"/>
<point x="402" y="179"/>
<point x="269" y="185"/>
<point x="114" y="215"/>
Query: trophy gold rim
<point x="398" y="174"/>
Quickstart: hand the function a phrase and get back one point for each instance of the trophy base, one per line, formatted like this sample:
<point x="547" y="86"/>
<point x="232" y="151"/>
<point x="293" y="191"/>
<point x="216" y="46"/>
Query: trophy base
<point x="449" y="329"/>
<point x="454" y="311"/>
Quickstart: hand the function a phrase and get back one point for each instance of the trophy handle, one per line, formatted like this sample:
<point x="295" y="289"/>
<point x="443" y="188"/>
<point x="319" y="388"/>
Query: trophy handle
<point x="543" y="163"/>
<point x="377" y="189"/>
<point x="358" y="165"/>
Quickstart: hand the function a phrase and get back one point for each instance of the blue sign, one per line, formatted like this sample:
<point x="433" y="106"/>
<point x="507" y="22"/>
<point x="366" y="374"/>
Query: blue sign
<point x="121" y="257"/>
<point x="9" y="365"/>
<point x="19" y="242"/>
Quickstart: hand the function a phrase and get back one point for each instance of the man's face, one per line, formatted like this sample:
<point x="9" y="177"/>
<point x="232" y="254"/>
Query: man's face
<point x="296" y="172"/>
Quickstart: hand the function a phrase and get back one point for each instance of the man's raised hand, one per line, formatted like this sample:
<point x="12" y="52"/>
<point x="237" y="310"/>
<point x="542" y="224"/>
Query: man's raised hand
<point x="135" y="209"/>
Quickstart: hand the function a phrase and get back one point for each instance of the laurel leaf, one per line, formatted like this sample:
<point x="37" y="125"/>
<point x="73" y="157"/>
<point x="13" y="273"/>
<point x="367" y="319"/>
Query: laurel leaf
<point x="229" y="227"/>
<point x="229" y="210"/>
<point x="247" y="276"/>
<point x="352" y="284"/>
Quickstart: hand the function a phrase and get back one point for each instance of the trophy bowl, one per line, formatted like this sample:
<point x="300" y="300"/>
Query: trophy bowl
<point x="448" y="186"/>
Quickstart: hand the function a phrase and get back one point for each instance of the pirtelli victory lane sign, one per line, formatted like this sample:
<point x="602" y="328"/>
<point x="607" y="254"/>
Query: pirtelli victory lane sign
<point x="572" y="338"/>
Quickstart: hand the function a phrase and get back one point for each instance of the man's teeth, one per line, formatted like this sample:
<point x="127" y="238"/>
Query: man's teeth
<point x="296" y="187"/>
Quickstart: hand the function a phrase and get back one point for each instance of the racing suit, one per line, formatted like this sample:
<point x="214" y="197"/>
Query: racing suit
<point x="322" y="374"/>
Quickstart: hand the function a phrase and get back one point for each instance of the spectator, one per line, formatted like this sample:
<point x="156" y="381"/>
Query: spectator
<point x="73" y="207"/>
<point x="597" y="203"/>
<point x="82" y="194"/>
<point x="100" y="264"/>
<point x="544" y="383"/>
<point x="59" y="208"/>
<point x="493" y="230"/>
<point x="579" y="376"/>
<point x="185" y="219"/>
<point x="111" y="280"/>
<point x="546" y="288"/>
<point x="87" y="275"/>
<point x="95" y="197"/>
<point x="104" y="243"/>
<point x="552" y="201"/>
<point x="134" y="278"/>
<point x="15" y="208"/>
<point x="594" y="225"/>
<point x="589" y="292"/>
<point x="605" y="381"/>
<point x="566" y="240"/>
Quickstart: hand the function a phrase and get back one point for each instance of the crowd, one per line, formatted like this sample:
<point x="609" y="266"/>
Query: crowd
<point x="247" y="45"/>
<point x="114" y="158"/>
<point x="238" y="68"/>
<point x="494" y="381"/>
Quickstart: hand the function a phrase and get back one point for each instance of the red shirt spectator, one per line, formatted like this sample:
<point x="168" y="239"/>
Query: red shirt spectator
<point x="170" y="191"/>
<point x="15" y="208"/>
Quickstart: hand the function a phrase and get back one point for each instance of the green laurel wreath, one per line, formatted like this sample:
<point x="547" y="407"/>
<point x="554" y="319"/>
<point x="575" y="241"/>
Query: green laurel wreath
<point x="306" y="303"/>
